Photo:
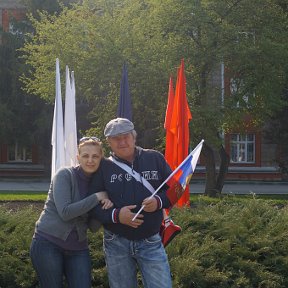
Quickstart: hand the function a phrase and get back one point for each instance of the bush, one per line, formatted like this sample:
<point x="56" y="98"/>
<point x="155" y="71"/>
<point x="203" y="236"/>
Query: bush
<point x="231" y="244"/>
<point x="225" y="244"/>
<point x="16" y="230"/>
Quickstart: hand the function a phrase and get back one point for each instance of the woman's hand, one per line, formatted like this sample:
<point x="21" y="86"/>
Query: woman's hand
<point x="106" y="203"/>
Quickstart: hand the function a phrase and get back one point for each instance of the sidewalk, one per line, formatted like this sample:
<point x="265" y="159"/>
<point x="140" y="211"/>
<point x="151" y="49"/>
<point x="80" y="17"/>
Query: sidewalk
<point x="24" y="185"/>
<point x="236" y="187"/>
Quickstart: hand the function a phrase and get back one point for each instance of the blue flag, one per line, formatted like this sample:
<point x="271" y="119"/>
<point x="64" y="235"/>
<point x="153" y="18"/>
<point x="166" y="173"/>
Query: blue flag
<point x="124" y="106"/>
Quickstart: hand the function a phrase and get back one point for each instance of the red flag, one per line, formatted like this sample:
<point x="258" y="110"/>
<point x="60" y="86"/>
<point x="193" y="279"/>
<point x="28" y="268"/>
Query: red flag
<point x="179" y="126"/>
<point x="169" y="135"/>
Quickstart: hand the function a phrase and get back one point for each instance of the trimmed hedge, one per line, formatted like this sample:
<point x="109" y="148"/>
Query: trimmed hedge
<point x="224" y="244"/>
<point x="231" y="245"/>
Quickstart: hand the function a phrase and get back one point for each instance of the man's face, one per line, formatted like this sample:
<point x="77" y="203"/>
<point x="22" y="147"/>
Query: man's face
<point x="123" y="145"/>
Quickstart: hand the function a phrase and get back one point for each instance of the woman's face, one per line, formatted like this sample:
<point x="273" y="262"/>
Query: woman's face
<point x="89" y="158"/>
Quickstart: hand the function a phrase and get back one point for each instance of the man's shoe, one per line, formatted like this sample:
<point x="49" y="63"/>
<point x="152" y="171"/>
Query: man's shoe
<point x="169" y="232"/>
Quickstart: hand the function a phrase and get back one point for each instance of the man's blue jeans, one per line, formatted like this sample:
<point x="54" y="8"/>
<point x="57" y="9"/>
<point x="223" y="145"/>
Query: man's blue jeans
<point x="123" y="256"/>
<point x="52" y="263"/>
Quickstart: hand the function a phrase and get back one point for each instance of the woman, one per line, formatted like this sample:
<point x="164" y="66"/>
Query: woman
<point x="59" y="246"/>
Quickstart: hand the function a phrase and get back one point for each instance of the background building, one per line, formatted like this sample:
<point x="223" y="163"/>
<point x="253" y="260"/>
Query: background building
<point x="16" y="159"/>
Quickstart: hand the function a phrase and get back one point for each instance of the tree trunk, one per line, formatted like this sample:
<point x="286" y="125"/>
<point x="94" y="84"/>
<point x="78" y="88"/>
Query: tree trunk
<point x="223" y="169"/>
<point x="210" y="188"/>
<point x="214" y="182"/>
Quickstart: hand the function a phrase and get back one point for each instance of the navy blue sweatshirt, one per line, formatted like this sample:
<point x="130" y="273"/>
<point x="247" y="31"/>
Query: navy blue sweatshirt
<point x="124" y="190"/>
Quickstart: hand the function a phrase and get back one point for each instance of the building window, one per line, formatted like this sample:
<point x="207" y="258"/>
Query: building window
<point x="18" y="153"/>
<point x="242" y="148"/>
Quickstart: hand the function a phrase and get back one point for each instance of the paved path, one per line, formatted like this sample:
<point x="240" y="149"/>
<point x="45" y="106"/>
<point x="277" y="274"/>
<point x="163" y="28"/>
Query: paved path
<point x="24" y="185"/>
<point x="195" y="187"/>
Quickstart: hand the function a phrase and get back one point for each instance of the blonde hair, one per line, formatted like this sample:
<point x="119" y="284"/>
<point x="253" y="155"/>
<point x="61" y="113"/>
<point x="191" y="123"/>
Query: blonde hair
<point x="90" y="141"/>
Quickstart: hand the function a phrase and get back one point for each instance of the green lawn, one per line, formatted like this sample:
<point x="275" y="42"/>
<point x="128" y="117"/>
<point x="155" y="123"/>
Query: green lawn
<point x="22" y="196"/>
<point x="41" y="196"/>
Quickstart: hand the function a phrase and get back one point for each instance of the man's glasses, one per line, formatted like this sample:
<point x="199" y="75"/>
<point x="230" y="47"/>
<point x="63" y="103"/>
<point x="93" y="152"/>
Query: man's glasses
<point x="83" y="139"/>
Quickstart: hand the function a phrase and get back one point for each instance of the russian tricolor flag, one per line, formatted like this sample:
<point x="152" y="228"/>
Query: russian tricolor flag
<point x="181" y="176"/>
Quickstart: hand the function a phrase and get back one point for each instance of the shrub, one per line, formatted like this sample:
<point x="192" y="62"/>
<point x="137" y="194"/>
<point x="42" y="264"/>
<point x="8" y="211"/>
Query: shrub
<point x="231" y="244"/>
<point x="16" y="230"/>
<point x="224" y="244"/>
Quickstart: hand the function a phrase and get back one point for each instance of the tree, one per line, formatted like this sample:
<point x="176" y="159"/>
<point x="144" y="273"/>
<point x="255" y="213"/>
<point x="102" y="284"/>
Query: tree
<point x="248" y="37"/>
<point x="277" y="131"/>
<point x="17" y="107"/>
<point x="25" y="119"/>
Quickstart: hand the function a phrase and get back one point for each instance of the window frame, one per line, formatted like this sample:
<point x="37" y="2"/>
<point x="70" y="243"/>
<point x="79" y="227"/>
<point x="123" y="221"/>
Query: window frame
<point x="242" y="143"/>
<point x="20" y="153"/>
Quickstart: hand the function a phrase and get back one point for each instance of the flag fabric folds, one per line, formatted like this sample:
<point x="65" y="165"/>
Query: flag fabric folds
<point x="169" y="135"/>
<point x="57" y="139"/>
<point x="177" y="128"/>
<point x="70" y="131"/>
<point x="124" y="109"/>
<point x="64" y="138"/>
<point x="182" y="175"/>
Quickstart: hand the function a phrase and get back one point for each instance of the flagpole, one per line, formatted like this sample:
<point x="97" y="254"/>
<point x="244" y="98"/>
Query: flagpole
<point x="168" y="178"/>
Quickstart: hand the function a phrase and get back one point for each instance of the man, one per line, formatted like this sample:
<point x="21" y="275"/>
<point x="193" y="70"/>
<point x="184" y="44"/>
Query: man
<point x="130" y="243"/>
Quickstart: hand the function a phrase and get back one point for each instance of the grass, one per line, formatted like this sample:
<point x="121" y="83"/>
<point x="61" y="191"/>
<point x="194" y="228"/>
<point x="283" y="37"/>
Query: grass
<point x="22" y="196"/>
<point x="41" y="196"/>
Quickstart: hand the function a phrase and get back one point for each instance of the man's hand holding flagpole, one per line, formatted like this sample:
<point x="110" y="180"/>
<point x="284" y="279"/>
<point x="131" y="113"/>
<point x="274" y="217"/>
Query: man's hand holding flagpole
<point x="188" y="166"/>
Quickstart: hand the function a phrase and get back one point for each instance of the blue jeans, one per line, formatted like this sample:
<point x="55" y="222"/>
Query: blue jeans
<point x="51" y="263"/>
<point x="124" y="256"/>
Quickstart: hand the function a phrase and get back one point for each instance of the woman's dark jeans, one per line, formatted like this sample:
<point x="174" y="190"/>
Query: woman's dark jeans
<point x="51" y="263"/>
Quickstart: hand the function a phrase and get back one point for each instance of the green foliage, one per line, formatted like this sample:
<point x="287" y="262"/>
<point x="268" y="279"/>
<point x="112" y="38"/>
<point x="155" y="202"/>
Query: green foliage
<point x="224" y="243"/>
<point x="230" y="245"/>
<point x="16" y="230"/>
<point x="249" y="37"/>
<point x="51" y="6"/>
<point x="24" y="118"/>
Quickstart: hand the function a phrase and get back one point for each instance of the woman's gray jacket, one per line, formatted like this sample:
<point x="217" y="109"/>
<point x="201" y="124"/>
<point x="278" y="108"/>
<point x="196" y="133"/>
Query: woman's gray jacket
<point x="64" y="209"/>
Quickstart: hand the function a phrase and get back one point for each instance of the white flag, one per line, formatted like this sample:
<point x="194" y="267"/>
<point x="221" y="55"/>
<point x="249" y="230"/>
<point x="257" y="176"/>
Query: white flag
<point x="57" y="139"/>
<point x="70" y="131"/>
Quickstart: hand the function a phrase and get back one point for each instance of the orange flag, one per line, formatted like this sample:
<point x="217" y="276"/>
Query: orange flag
<point x="169" y="135"/>
<point x="179" y="127"/>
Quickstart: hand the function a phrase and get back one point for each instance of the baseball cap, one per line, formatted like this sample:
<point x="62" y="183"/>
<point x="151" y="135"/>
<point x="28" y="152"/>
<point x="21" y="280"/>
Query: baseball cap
<point x="118" y="126"/>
